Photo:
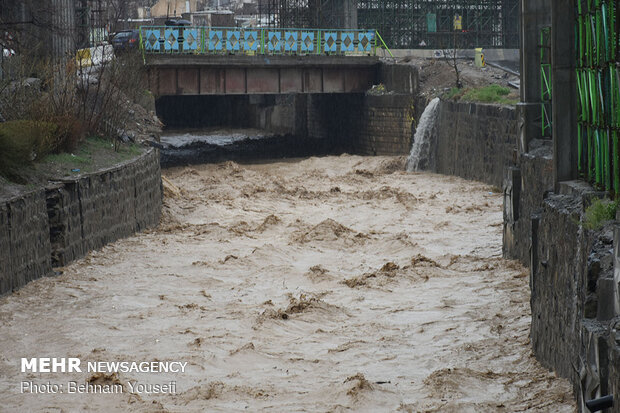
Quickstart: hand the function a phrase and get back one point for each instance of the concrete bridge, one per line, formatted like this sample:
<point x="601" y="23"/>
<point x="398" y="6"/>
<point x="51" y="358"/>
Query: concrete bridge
<point x="226" y="61"/>
<point x="225" y="75"/>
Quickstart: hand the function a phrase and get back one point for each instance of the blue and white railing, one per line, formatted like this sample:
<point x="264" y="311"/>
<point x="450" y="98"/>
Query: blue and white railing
<point x="257" y="41"/>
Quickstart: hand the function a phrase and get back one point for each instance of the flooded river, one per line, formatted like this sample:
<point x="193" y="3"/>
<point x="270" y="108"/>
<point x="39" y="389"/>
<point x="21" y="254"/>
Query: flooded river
<point x="323" y="284"/>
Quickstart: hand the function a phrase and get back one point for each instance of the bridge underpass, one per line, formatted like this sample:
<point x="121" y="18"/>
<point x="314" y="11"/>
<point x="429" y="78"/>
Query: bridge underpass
<point x="304" y="86"/>
<point x="311" y="103"/>
<point x="264" y="126"/>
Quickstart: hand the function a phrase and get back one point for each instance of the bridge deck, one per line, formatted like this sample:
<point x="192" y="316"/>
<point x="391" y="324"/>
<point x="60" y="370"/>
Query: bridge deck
<point x="240" y="74"/>
<point x="259" y="61"/>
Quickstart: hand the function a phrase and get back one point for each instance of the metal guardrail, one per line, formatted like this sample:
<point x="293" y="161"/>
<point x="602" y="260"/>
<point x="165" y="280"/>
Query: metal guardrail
<point x="258" y="41"/>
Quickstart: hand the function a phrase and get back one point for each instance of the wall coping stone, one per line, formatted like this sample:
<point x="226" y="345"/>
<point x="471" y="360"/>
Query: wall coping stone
<point x="113" y="168"/>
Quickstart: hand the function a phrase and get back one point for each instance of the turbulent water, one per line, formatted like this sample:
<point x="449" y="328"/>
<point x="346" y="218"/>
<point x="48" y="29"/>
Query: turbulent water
<point x="325" y="284"/>
<point x="420" y="157"/>
<point x="215" y="136"/>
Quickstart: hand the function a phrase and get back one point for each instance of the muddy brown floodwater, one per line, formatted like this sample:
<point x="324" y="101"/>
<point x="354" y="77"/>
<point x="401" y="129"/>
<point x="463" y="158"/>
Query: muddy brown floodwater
<point x="324" y="284"/>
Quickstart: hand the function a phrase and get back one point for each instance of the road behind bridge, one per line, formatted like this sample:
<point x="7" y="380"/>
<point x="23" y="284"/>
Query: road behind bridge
<point x="325" y="284"/>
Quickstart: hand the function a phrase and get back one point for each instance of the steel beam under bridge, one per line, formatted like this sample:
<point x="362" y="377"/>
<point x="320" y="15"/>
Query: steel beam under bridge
<point x="228" y="75"/>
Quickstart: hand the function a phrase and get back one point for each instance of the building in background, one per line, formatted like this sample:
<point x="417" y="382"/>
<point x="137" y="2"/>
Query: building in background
<point x="40" y="27"/>
<point x="175" y="8"/>
<point x="211" y="18"/>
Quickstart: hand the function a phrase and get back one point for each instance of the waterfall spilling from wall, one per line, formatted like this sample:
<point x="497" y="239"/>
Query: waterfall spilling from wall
<point x="421" y="151"/>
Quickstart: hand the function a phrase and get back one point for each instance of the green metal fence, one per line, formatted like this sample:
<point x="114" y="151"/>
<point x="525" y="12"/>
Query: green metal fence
<point x="545" y="81"/>
<point x="407" y="24"/>
<point x="598" y="93"/>
<point x="254" y="41"/>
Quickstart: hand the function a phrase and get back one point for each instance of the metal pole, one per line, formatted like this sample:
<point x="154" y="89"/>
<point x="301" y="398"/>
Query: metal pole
<point x="564" y="80"/>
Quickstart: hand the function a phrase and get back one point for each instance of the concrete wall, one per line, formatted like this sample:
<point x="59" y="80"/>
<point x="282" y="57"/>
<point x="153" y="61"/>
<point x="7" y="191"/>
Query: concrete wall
<point x="284" y="114"/>
<point x="335" y="118"/>
<point x="279" y="114"/>
<point x="45" y="27"/>
<point x="399" y="78"/>
<point x="489" y="54"/>
<point x="54" y="226"/>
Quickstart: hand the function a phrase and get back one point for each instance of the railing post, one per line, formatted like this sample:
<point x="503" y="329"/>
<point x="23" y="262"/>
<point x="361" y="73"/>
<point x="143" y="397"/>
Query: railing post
<point x="375" y="46"/>
<point x="262" y="41"/>
<point x="142" y="47"/>
<point x="203" y="33"/>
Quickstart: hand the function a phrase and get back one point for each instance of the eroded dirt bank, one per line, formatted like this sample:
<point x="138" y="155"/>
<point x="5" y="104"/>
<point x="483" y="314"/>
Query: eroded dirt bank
<point x="326" y="284"/>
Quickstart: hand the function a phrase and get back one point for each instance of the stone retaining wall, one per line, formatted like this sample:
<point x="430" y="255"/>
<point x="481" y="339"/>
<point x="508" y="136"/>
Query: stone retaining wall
<point x="560" y="249"/>
<point x="573" y="287"/>
<point x="476" y="141"/>
<point x="24" y="240"/>
<point x="55" y="226"/>
<point x="574" y="301"/>
<point x="386" y="123"/>
<point x="614" y="371"/>
<point x="525" y="186"/>
<point x="362" y="124"/>
<point x="90" y="211"/>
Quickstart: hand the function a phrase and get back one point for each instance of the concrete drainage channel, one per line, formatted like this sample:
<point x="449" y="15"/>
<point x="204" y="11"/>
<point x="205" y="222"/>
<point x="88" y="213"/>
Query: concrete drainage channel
<point x="53" y="226"/>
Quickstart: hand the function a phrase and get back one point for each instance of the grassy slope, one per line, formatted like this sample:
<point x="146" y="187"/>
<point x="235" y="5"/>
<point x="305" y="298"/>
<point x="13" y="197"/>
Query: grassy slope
<point x="486" y="94"/>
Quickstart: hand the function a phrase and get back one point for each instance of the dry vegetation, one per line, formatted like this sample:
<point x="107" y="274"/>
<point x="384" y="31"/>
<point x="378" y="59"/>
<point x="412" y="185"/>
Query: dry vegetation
<point x="50" y="107"/>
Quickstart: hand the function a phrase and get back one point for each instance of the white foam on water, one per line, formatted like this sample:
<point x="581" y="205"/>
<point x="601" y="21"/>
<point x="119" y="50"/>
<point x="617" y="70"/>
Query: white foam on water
<point x="219" y="137"/>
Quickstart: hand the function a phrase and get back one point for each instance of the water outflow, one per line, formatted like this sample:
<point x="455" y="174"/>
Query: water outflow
<point x="420" y="157"/>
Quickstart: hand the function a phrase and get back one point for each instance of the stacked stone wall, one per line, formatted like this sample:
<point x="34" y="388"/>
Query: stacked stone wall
<point x="24" y="240"/>
<point x="386" y="125"/>
<point x="476" y="141"/>
<point x="52" y="227"/>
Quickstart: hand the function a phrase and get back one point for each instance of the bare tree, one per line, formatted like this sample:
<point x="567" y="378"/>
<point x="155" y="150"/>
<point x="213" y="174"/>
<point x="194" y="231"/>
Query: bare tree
<point x="78" y="95"/>
<point x="452" y="59"/>
<point x="117" y="10"/>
